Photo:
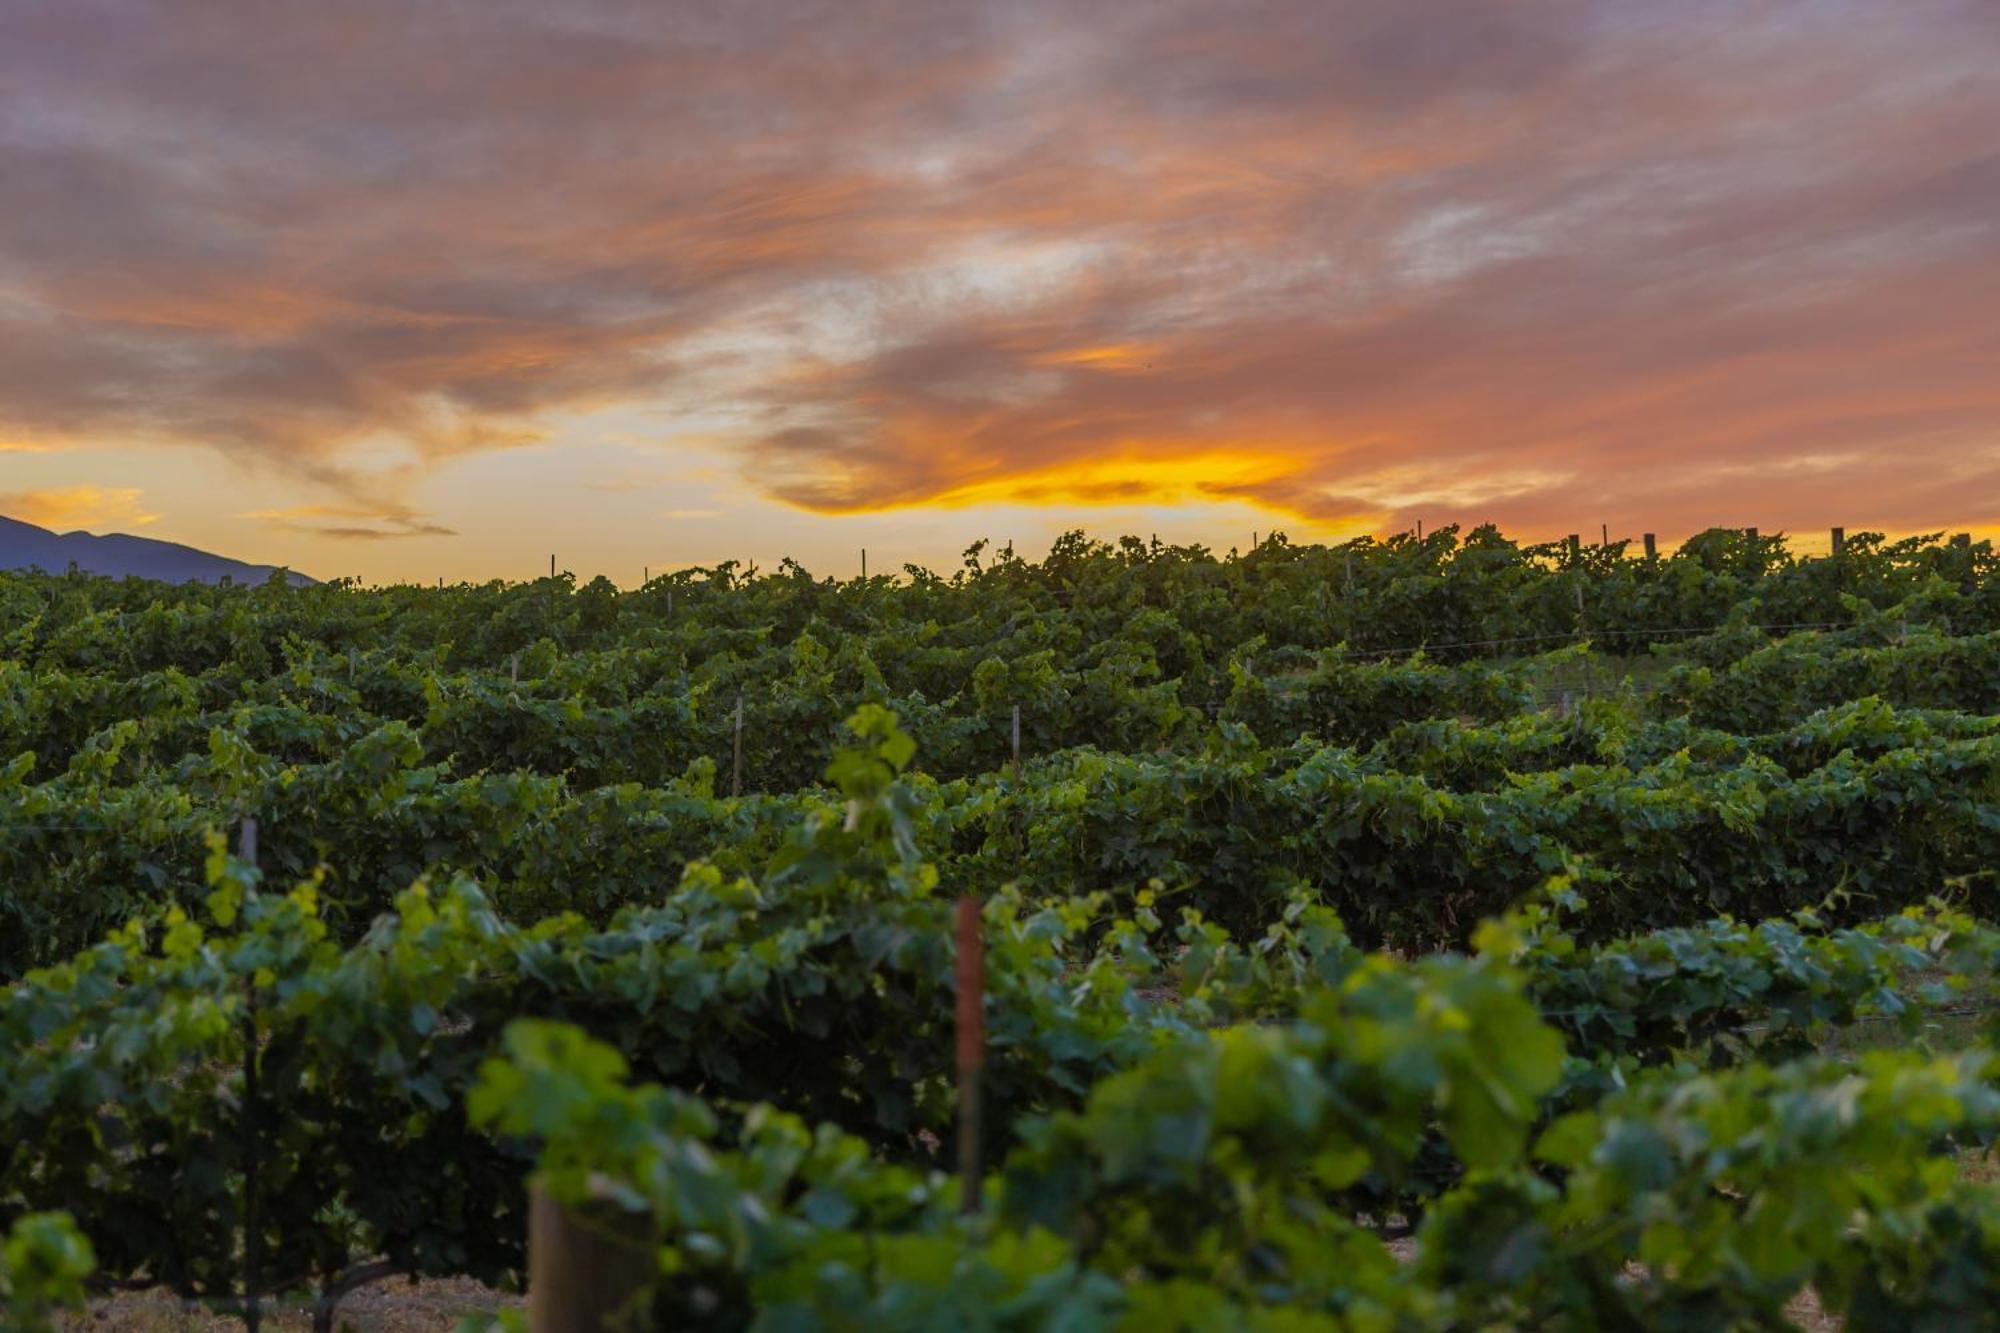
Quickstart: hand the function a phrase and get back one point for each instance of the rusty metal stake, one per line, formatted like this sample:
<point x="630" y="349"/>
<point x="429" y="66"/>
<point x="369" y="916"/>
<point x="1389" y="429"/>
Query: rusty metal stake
<point x="971" y="970"/>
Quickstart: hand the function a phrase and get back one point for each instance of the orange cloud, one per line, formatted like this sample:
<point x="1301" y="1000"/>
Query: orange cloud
<point x="1119" y="357"/>
<point x="77" y="507"/>
<point x="352" y="522"/>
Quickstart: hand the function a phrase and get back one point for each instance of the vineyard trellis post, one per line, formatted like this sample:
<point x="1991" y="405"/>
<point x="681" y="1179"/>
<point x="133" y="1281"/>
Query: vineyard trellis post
<point x="590" y="1265"/>
<point x="253" y="1243"/>
<point x="1839" y="540"/>
<point x="736" y="775"/>
<point x="1652" y="547"/>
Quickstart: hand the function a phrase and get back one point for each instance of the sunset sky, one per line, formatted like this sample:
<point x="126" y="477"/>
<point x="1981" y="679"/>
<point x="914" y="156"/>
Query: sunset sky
<point x="409" y="290"/>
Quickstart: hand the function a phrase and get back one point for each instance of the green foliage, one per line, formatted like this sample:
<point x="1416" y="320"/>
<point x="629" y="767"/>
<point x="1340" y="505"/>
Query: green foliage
<point x="502" y="922"/>
<point x="1210" y="1187"/>
<point x="1412" y="841"/>
<point x="44" y="1262"/>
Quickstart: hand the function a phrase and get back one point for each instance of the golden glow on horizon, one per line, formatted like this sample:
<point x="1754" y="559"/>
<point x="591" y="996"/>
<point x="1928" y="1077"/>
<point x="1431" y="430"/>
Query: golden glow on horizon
<point x="1132" y="476"/>
<point x="78" y="507"/>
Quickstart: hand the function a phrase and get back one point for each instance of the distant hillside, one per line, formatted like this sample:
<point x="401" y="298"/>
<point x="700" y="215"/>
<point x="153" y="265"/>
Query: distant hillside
<point x="25" y="546"/>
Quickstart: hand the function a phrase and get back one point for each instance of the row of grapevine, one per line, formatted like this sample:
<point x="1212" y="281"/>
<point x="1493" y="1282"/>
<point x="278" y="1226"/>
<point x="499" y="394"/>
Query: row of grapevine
<point x="131" y="1103"/>
<point x="1470" y="595"/>
<point x="1203" y="1190"/>
<point x="601" y="729"/>
<point x="1410" y="858"/>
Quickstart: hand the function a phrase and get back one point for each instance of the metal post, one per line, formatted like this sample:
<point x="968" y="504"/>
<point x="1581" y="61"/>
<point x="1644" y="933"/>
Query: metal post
<point x="253" y="1238"/>
<point x="971" y="975"/>
<point x="736" y="780"/>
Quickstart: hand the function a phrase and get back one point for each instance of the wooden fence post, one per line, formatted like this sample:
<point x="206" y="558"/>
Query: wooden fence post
<point x="1652" y="547"/>
<point x="1575" y="547"/>
<point x="589" y="1266"/>
<point x="970" y="965"/>
<point x="1751" y="533"/>
<point x="1839" y="540"/>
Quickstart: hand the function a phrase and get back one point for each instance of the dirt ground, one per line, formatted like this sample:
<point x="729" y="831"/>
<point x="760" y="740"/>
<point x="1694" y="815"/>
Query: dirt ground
<point x="394" y="1306"/>
<point x="436" y="1306"/>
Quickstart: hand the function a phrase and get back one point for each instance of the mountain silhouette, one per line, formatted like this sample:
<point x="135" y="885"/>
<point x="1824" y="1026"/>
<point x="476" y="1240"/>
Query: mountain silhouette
<point x="25" y="546"/>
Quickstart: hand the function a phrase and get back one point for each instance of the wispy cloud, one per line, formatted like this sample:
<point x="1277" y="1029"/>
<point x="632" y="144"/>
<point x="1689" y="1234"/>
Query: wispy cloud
<point x="340" y="521"/>
<point x="624" y="485"/>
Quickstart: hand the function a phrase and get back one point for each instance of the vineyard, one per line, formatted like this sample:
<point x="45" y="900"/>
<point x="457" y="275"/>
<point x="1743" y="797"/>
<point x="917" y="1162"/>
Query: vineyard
<point x="1422" y="934"/>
